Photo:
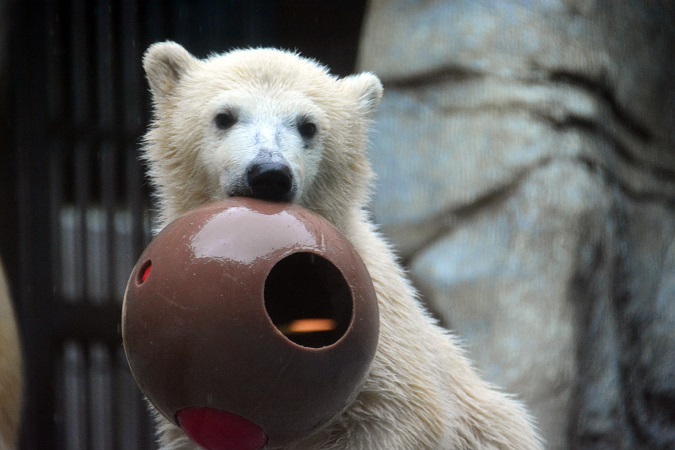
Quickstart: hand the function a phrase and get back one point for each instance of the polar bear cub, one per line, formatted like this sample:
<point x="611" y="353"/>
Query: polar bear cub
<point x="270" y="124"/>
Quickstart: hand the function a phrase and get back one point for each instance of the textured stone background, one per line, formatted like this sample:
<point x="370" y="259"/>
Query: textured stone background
<point x="526" y="161"/>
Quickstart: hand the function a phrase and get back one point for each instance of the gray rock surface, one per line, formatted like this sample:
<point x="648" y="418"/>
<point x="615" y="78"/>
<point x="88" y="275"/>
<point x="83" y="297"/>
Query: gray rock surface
<point x="526" y="162"/>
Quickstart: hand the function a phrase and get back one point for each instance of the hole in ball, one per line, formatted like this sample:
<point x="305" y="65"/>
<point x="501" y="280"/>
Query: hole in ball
<point x="308" y="300"/>
<point x="144" y="272"/>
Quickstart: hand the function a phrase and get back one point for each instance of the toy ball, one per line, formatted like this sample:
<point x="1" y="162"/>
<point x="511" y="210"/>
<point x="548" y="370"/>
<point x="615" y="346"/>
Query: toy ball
<point x="250" y="324"/>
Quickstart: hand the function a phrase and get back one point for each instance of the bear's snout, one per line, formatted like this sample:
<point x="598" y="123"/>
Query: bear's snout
<point x="271" y="180"/>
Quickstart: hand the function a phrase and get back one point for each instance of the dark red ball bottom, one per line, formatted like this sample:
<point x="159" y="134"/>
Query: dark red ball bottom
<point x="214" y="429"/>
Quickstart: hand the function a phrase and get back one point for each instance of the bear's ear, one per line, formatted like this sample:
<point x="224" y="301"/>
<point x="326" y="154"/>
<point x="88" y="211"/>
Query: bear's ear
<point x="367" y="90"/>
<point x="164" y="64"/>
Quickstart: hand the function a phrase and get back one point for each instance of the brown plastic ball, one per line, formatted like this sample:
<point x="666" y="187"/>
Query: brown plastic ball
<point x="248" y="318"/>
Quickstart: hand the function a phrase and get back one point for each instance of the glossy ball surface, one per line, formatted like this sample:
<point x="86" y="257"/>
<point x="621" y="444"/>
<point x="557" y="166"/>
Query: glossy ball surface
<point x="260" y="310"/>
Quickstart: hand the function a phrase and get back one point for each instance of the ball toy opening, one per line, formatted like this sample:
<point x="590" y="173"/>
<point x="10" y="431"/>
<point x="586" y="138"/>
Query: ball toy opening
<point x="315" y="312"/>
<point x="250" y="324"/>
<point x="144" y="272"/>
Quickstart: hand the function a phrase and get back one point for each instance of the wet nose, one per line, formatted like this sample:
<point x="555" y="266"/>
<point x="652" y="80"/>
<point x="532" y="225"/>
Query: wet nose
<point x="271" y="181"/>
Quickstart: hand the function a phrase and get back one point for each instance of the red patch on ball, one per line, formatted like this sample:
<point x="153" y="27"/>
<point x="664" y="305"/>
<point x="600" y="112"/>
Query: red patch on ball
<point x="213" y="429"/>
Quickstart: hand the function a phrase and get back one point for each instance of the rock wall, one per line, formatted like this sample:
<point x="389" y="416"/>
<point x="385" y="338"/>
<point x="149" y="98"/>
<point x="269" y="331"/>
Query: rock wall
<point x="526" y="162"/>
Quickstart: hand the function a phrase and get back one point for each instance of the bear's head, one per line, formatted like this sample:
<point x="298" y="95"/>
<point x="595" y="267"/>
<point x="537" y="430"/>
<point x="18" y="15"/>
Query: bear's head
<point x="264" y="123"/>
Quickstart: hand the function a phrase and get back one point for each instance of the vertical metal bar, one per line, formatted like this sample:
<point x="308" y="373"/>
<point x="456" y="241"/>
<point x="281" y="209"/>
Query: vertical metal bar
<point x="56" y="150"/>
<point x="104" y="70"/>
<point x="155" y="20"/>
<point x="81" y="182"/>
<point x="74" y="396"/>
<point x="59" y="407"/>
<point x="131" y="51"/>
<point x="103" y="397"/>
<point x="137" y="434"/>
<point x="131" y="111"/>
<point x="118" y="28"/>
<point x="80" y="91"/>
<point x="56" y="105"/>
<point x="80" y="85"/>
<point x="81" y="106"/>
<point x="106" y="148"/>
<point x="100" y="402"/>
<point x="35" y="275"/>
<point x="181" y="23"/>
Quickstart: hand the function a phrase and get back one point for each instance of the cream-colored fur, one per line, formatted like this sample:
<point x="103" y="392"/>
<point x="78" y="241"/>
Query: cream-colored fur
<point x="11" y="382"/>
<point x="422" y="392"/>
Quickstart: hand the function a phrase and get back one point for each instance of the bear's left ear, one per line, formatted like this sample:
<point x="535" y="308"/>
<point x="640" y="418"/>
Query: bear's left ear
<point x="367" y="90"/>
<point x="165" y="63"/>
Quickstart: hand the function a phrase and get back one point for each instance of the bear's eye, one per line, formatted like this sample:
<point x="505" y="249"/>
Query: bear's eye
<point x="225" y="120"/>
<point x="306" y="128"/>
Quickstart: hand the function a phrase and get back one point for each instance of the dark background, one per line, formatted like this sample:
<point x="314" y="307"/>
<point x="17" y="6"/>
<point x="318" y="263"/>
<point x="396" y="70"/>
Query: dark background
<point x="75" y="201"/>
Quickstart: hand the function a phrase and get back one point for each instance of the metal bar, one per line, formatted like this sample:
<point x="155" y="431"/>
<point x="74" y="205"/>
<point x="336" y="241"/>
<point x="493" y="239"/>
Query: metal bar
<point x="102" y="398"/>
<point x="79" y="90"/>
<point x="29" y="91"/>
<point x="80" y="85"/>
<point x="56" y="106"/>
<point x="133" y="124"/>
<point x="130" y="61"/>
<point x="74" y="398"/>
<point x="106" y="101"/>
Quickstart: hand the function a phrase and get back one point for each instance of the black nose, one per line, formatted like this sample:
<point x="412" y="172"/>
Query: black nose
<point x="271" y="181"/>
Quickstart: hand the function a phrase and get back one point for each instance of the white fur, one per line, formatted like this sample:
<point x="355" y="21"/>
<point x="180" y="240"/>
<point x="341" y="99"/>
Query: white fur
<point x="422" y="392"/>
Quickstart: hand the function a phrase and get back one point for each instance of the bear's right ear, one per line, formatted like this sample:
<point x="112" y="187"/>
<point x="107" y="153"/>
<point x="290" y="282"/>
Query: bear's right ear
<point x="164" y="64"/>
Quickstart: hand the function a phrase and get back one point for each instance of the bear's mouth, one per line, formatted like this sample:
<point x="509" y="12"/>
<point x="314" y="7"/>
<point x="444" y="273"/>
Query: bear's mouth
<point x="269" y="194"/>
<point x="288" y="198"/>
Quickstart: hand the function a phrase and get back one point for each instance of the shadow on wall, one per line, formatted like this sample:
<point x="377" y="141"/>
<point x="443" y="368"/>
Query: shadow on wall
<point x="526" y="172"/>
